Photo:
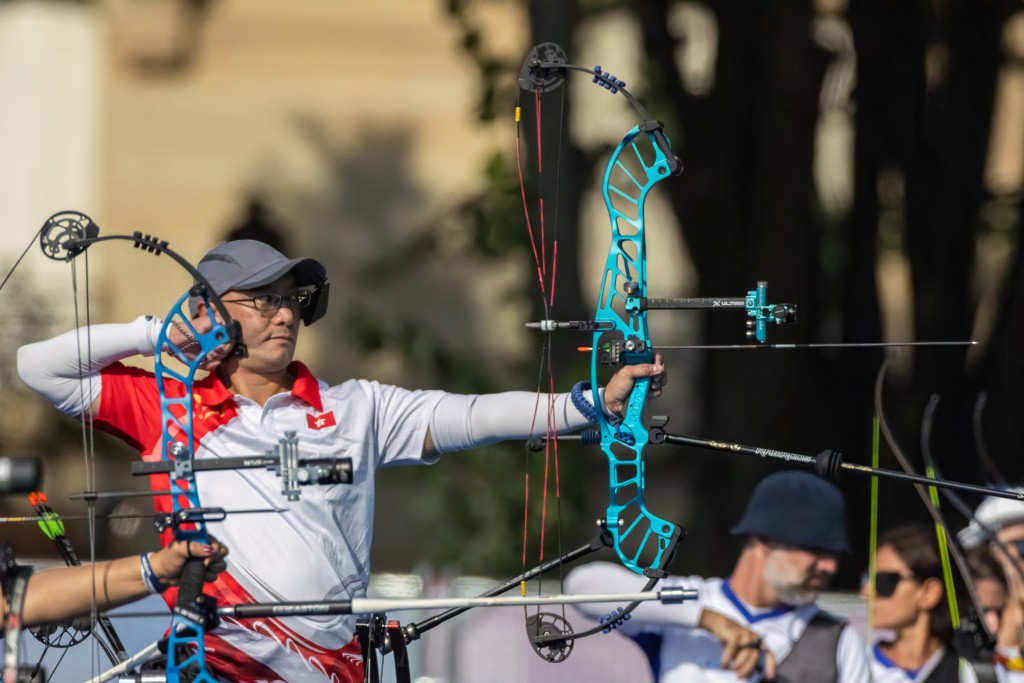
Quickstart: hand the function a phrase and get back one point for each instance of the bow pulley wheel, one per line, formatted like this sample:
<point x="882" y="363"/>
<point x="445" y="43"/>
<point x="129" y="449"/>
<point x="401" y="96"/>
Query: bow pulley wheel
<point x="537" y="74"/>
<point x="60" y="636"/>
<point x="550" y="635"/>
<point x="61" y="233"/>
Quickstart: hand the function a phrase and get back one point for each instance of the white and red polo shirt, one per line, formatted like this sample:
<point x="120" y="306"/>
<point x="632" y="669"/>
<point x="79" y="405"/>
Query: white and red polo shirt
<point x="320" y="548"/>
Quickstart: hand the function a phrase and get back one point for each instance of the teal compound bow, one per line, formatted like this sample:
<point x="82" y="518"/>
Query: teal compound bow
<point x="643" y="158"/>
<point x="620" y="332"/>
<point x="644" y="542"/>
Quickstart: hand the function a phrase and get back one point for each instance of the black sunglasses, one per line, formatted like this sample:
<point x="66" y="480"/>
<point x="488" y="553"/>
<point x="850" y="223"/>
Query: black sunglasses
<point x="887" y="582"/>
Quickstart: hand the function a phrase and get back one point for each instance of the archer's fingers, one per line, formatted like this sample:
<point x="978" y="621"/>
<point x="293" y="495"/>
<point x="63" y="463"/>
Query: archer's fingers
<point x="751" y="658"/>
<point x="662" y="377"/>
<point x="745" y="663"/>
<point x="769" y="664"/>
<point x="641" y="370"/>
<point x="730" y="650"/>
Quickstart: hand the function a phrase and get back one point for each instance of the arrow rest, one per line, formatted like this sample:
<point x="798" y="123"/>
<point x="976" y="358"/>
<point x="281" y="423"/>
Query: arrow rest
<point x="176" y="520"/>
<point x="536" y="76"/>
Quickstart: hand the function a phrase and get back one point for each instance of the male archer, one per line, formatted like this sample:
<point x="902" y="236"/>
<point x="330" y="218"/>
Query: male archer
<point x="794" y="528"/>
<point x="254" y="393"/>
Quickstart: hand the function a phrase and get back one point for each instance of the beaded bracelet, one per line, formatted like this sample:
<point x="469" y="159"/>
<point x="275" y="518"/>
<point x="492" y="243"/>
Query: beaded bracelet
<point x="153" y="584"/>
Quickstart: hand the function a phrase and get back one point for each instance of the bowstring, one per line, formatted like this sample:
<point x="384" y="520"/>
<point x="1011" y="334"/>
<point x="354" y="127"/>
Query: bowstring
<point x="86" y="428"/>
<point x="88" y="439"/>
<point x="546" y="279"/>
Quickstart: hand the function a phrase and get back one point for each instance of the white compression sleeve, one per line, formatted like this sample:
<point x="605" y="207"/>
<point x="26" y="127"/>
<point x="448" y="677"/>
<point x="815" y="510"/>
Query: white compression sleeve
<point x="59" y="370"/>
<point x="464" y="421"/>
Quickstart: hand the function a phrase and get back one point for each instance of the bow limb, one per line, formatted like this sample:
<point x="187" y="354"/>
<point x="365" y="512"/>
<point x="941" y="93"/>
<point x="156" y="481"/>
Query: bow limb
<point x="980" y="446"/>
<point x="942" y="528"/>
<point x="988" y="532"/>
<point x="931" y="469"/>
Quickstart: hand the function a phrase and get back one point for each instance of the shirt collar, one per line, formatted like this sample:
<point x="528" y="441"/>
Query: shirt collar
<point x="305" y="386"/>
<point x="742" y="608"/>
<point x="212" y="392"/>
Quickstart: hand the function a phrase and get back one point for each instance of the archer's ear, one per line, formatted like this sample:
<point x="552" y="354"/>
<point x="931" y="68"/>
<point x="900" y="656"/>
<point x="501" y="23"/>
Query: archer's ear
<point x="932" y="593"/>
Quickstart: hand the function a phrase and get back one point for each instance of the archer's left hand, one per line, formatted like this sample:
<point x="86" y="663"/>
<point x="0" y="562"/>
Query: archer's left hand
<point x="169" y="562"/>
<point x="620" y="386"/>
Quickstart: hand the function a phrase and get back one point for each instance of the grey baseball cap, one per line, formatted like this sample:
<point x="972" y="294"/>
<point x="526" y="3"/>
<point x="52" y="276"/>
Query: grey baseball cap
<point x="249" y="264"/>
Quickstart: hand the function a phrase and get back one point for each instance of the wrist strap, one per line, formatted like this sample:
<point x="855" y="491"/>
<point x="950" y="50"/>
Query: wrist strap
<point x="590" y="412"/>
<point x="153" y="584"/>
<point x="580" y="401"/>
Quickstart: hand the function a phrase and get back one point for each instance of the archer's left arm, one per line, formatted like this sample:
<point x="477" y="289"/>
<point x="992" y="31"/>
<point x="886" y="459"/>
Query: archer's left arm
<point x="460" y="422"/>
<point x="60" y="594"/>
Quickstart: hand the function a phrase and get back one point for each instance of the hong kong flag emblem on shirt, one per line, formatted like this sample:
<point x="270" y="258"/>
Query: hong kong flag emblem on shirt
<point x="320" y="421"/>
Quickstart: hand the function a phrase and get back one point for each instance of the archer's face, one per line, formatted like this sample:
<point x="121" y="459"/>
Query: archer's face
<point x="910" y="599"/>
<point x="1012" y="536"/>
<point x="269" y="335"/>
<point x="992" y="596"/>
<point x="798" y="575"/>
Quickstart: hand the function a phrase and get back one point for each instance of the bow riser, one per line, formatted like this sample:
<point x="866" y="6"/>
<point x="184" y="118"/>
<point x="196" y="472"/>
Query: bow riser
<point x="188" y="627"/>
<point x="640" y="538"/>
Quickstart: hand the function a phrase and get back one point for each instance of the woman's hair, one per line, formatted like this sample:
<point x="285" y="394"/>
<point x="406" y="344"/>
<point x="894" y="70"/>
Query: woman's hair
<point x="917" y="546"/>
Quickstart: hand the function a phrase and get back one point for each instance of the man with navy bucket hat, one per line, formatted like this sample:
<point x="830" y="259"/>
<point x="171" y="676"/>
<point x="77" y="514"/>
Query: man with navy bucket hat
<point x="794" y="527"/>
<point x="255" y="392"/>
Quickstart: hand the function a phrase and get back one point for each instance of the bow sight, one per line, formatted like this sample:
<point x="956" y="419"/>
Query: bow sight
<point x="760" y="314"/>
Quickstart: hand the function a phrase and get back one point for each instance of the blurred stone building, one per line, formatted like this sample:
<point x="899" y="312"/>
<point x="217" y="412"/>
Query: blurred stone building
<point x="340" y="129"/>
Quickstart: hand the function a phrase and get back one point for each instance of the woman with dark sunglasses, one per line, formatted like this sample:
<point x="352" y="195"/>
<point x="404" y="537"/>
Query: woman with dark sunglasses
<point x="911" y="613"/>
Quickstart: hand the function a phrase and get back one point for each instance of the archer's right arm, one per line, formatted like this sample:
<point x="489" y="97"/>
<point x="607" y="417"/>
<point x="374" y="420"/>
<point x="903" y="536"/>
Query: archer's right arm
<point x="66" y="369"/>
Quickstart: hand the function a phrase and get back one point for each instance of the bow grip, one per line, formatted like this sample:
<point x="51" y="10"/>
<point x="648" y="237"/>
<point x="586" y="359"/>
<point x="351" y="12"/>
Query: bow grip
<point x="190" y="587"/>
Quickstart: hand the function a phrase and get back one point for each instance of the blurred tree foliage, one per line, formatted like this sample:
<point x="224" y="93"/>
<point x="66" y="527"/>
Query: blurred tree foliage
<point x="916" y="83"/>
